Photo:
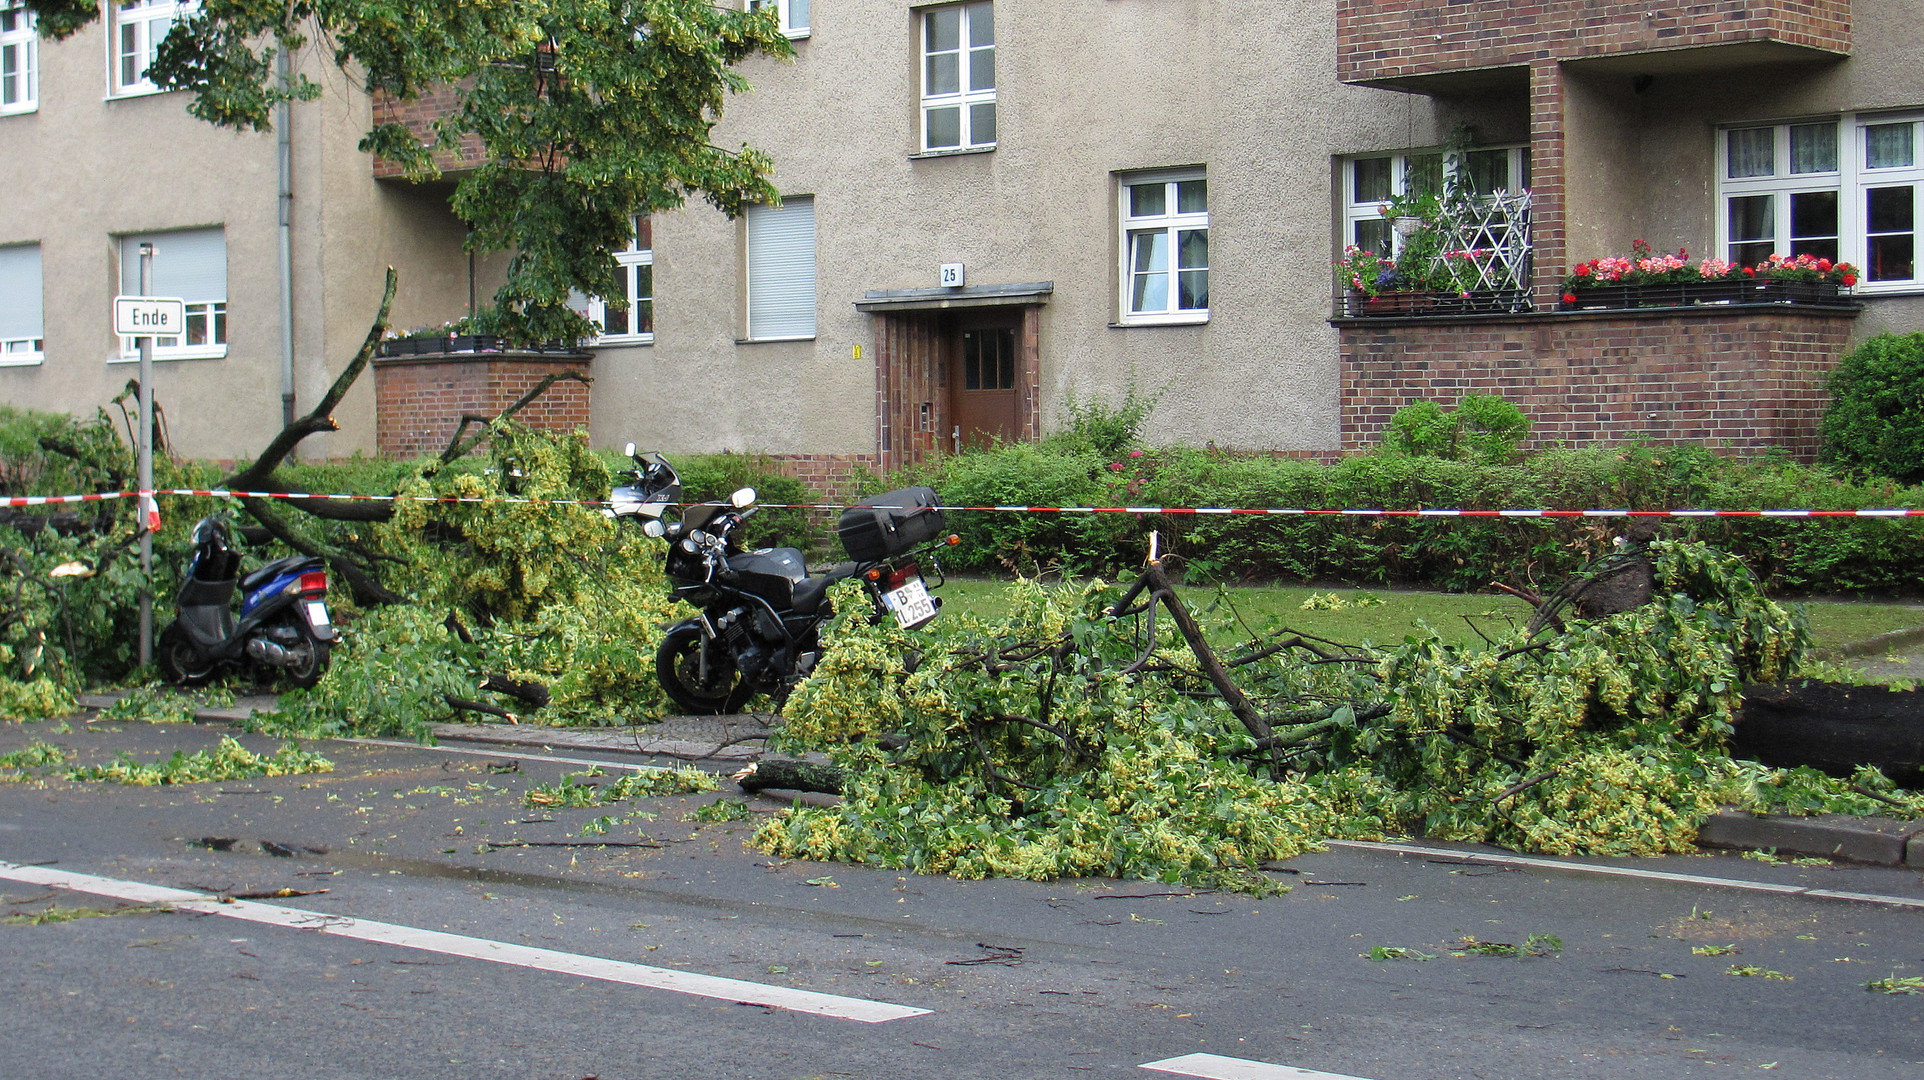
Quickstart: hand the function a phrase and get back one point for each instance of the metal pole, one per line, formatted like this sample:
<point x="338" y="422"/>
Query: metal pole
<point x="284" y="154"/>
<point x="146" y="468"/>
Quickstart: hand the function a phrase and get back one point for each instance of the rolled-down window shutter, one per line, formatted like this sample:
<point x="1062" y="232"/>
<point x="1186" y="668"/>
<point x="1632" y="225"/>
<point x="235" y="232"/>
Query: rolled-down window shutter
<point x="20" y="302"/>
<point x="781" y="269"/>
<point x="190" y="264"/>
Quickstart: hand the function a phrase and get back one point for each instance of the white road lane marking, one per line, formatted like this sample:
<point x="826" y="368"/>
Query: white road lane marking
<point x="1217" y="1067"/>
<point x="1634" y="872"/>
<point x="499" y="952"/>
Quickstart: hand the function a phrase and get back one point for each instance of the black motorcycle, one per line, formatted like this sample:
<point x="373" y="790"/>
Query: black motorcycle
<point x="761" y="611"/>
<point x="283" y="625"/>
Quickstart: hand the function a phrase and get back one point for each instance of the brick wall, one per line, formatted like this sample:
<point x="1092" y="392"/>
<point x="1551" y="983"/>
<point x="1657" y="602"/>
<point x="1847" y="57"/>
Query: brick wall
<point x="833" y="475"/>
<point x="1747" y="379"/>
<point x="419" y="115"/>
<point x="419" y="400"/>
<point x="1387" y="39"/>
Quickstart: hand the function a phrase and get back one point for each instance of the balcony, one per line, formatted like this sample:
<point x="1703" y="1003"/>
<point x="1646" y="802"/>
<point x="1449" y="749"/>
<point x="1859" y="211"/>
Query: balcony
<point x="419" y="116"/>
<point x="1456" y="46"/>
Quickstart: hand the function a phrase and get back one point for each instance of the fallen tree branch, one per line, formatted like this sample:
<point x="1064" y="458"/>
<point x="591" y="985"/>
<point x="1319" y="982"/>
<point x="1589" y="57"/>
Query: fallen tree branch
<point x="793" y="776"/>
<point x="463" y="704"/>
<point x="534" y="693"/>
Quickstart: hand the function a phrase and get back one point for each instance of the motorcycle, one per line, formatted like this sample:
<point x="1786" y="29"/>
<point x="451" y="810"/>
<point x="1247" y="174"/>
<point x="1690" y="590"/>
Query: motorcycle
<point x="283" y="625"/>
<point x="761" y="611"/>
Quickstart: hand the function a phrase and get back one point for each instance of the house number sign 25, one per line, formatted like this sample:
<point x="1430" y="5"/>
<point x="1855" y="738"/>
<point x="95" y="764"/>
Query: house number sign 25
<point x="951" y="275"/>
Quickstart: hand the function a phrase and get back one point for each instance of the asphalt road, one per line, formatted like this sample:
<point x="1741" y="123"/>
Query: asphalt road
<point x="1018" y="979"/>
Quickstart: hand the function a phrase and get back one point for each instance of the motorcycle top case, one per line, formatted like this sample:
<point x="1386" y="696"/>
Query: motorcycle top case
<point x="870" y="533"/>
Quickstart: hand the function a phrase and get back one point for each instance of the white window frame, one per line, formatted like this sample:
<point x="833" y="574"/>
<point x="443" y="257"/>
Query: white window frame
<point x="138" y="27"/>
<point x="24" y="351"/>
<point x="631" y="259"/>
<point x="1403" y="164"/>
<point x="966" y="98"/>
<point x="1852" y="180"/>
<point x="19" y="60"/>
<point x="208" y="311"/>
<point x="779" y="300"/>
<point x="792" y="14"/>
<point x="1170" y="226"/>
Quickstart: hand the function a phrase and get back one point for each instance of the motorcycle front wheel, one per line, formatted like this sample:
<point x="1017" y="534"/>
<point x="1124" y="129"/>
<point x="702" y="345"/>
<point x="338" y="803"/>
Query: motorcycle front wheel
<point x="180" y="663"/>
<point x="678" y="666"/>
<point x="310" y="659"/>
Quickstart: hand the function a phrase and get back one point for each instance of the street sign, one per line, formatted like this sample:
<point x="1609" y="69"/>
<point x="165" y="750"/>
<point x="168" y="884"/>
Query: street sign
<point x="150" y="316"/>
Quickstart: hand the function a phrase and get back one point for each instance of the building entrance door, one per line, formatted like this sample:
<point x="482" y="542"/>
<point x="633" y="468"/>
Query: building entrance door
<point x="984" y="367"/>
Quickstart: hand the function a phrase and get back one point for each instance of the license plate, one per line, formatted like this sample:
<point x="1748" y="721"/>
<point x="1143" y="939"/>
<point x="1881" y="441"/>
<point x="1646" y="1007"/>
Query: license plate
<point x="317" y="618"/>
<point x="911" y="603"/>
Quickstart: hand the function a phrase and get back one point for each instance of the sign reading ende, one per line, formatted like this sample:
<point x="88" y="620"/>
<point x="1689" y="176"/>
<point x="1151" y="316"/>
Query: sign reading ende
<point x="150" y="316"/>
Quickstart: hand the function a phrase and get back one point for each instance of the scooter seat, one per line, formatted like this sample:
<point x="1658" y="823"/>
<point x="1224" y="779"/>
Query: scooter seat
<point x="807" y="594"/>
<point x="275" y="569"/>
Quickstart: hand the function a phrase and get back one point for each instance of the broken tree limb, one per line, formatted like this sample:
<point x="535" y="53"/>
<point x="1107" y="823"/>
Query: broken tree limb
<point x="480" y="707"/>
<point x="535" y="694"/>
<point x="1212" y="667"/>
<point x="793" y="776"/>
<point x="457" y="449"/>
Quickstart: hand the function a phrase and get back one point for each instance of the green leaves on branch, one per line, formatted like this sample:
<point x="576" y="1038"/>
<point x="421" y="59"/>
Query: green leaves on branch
<point x="587" y="113"/>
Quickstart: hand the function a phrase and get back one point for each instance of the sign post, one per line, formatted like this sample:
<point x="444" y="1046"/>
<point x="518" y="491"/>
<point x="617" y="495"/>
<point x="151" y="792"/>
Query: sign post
<point x="145" y="318"/>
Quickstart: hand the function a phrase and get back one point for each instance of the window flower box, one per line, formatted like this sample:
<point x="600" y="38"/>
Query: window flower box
<point x="1404" y="304"/>
<point x="479" y="344"/>
<point x="1705" y="294"/>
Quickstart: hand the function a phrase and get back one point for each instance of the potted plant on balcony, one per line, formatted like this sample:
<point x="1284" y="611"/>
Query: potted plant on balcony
<point x="1651" y="279"/>
<point x="1434" y="271"/>
<point x="482" y="333"/>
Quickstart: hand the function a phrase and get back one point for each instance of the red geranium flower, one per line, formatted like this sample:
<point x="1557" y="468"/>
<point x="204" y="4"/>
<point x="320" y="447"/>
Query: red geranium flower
<point x="1569" y="298"/>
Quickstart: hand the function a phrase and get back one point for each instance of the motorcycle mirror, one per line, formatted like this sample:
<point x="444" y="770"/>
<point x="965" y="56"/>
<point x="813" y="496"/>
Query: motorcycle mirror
<point x="742" y="497"/>
<point x="653" y="527"/>
<point x="630" y="450"/>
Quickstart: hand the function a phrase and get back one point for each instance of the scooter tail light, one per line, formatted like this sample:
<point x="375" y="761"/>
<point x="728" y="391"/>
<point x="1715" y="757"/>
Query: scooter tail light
<point x="313" y="583"/>
<point x="899" y="576"/>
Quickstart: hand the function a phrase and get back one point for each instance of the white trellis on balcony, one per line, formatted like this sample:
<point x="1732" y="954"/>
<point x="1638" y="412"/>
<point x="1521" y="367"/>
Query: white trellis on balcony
<point x="1496" y="227"/>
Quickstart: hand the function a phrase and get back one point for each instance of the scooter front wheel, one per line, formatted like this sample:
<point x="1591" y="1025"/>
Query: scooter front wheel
<point x="678" y="666"/>
<point x="181" y="663"/>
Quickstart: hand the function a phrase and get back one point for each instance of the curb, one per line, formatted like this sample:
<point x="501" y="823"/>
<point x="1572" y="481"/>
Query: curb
<point x="1875" y="840"/>
<point x="1871" y="646"/>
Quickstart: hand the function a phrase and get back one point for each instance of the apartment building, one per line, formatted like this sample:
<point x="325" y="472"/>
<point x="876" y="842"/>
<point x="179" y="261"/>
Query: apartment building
<point x="991" y="207"/>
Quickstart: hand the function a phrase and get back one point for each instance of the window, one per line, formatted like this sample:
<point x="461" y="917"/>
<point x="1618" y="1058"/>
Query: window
<point x="1369" y="182"/>
<point x="139" y="27"/>
<point x="1165" y="245"/>
<point x="192" y="265"/>
<point x="1847" y="190"/>
<point x="793" y="14"/>
<point x="634" y="325"/>
<point x="781" y="270"/>
<point x="19" y="54"/>
<point x="21" y="329"/>
<point x="958" y="77"/>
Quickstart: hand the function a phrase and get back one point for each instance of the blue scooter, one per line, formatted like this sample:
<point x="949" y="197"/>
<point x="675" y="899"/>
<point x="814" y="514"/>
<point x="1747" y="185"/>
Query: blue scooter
<point x="283" y="624"/>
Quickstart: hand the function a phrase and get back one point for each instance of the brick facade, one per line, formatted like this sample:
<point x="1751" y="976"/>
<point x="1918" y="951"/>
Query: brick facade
<point x="1747" y="379"/>
<point x="420" y="400"/>
<point x="1379" y="40"/>
<point x="418" y="116"/>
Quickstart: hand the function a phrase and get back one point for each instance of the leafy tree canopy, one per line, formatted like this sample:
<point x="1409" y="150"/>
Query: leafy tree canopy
<point x="588" y="112"/>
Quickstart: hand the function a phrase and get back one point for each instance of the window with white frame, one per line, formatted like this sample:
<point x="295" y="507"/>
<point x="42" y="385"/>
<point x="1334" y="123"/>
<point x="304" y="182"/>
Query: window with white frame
<point x="635" y="324"/>
<point x="190" y="264"/>
<point x="1847" y="189"/>
<point x="793" y="15"/>
<point x="22" y="330"/>
<point x="1165" y="247"/>
<point x="138" y="29"/>
<point x="781" y="269"/>
<point x="19" y="59"/>
<point x="1369" y="181"/>
<point x="958" y="77"/>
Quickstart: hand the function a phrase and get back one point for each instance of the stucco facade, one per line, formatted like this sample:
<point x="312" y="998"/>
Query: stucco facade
<point x="1264" y="101"/>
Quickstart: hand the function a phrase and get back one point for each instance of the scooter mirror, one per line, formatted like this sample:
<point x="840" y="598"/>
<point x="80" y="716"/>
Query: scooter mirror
<point x="629" y="450"/>
<point x="653" y="527"/>
<point x="743" y="497"/>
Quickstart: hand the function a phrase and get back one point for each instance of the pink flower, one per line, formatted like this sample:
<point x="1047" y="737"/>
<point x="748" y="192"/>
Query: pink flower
<point x="1135" y="453"/>
<point x="1115" y="466"/>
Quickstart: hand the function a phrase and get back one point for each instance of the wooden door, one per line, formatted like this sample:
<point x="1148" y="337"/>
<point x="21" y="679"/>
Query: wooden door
<point x="984" y="366"/>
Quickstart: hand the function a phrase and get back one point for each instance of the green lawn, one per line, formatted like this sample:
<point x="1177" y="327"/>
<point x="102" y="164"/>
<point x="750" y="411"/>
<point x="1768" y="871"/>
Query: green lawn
<point x="1833" y="623"/>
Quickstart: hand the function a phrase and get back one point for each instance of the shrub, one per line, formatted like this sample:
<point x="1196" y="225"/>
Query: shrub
<point x="1484" y="427"/>
<point x="1875" y="423"/>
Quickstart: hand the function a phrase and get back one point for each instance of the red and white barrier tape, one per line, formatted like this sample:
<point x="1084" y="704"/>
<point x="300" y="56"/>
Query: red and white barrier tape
<point x="46" y="500"/>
